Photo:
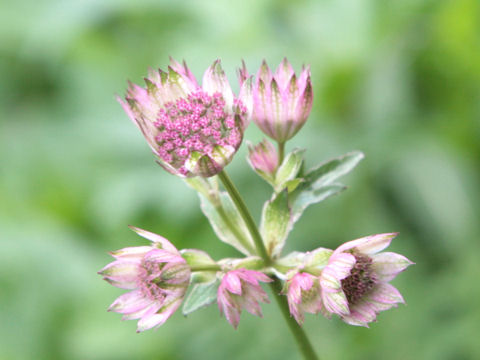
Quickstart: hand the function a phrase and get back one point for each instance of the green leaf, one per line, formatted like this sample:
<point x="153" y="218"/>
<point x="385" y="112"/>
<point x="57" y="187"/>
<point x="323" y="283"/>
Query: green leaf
<point x="227" y="223"/>
<point x="208" y="187"/>
<point x="201" y="277"/>
<point x="289" y="169"/>
<point x="200" y="296"/>
<point x="276" y="223"/>
<point x="308" y="196"/>
<point x="318" y="183"/>
<point x="196" y="258"/>
<point x="329" y="171"/>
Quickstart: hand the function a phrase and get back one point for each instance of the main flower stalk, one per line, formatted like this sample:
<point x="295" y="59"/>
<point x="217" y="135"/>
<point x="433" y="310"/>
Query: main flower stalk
<point x="301" y="338"/>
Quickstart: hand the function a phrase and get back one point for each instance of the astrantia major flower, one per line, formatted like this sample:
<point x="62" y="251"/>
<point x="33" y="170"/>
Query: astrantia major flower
<point x="303" y="294"/>
<point x="194" y="130"/>
<point x="281" y="101"/>
<point x="355" y="282"/>
<point x="157" y="275"/>
<point x="240" y="289"/>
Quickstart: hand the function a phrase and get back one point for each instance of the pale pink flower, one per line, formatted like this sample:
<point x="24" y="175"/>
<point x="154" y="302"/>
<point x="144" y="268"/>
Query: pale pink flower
<point x="355" y="282"/>
<point x="263" y="158"/>
<point x="194" y="130"/>
<point x="281" y="101"/>
<point x="157" y="275"/>
<point x="240" y="289"/>
<point x="303" y="294"/>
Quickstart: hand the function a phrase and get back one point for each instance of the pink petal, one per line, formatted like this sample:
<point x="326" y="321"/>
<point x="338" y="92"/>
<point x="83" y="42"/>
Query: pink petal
<point x="386" y="294"/>
<point x="215" y="80"/>
<point x="166" y="245"/>
<point x="388" y="265"/>
<point x="153" y="319"/>
<point x="131" y="252"/>
<point x="162" y="256"/>
<point x="335" y="302"/>
<point x="341" y="264"/>
<point x="130" y="302"/>
<point x="121" y="271"/>
<point x="369" y="244"/>
<point x="232" y="315"/>
<point x="283" y="73"/>
<point x="185" y="72"/>
<point x="232" y="283"/>
<point x="138" y="314"/>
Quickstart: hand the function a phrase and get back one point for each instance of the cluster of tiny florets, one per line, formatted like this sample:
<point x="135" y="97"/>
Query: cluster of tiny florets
<point x="196" y="123"/>
<point x="361" y="279"/>
<point x="149" y="277"/>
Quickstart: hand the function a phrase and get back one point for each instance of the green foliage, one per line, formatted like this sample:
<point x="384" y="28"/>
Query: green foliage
<point x="200" y="295"/>
<point x="397" y="79"/>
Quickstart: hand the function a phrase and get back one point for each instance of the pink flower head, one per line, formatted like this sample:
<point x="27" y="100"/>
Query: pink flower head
<point x="263" y="158"/>
<point x="281" y="101"/>
<point x="240" y="289"/>
<point x="194" y="130"/>
<point x="355" y="282"/>
<point x="157" y="275"/>
<point x="303" y="294"/>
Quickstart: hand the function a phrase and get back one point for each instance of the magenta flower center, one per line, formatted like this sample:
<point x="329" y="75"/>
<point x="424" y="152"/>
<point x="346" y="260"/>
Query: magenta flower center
<point x="151" y="278"/>
<point x="196" y="123"/>
<point x="361" y="280"/>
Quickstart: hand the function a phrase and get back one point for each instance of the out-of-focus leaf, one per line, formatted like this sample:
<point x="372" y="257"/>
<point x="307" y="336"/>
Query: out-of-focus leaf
<point x="276" y="223"/>
<point x="200" y="296"/>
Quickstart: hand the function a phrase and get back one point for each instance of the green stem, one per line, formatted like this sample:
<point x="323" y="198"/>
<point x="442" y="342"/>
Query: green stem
<point x="301" y="338"/>
<point x="281" y="152"/>
<point x="246" y="216"/>
<point x="205" y="268"/>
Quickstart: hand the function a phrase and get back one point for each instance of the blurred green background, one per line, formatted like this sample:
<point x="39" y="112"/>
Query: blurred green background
<point x="399" y="80"/>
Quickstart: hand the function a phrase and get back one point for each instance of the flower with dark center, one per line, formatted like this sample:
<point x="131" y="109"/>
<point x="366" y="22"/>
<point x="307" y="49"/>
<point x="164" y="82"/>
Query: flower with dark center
<point x="355" y="282"/>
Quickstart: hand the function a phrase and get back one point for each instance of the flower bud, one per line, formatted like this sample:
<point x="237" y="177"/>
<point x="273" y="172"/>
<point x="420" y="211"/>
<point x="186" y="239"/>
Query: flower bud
<point x="281" y="101"/>
<point x="263" y="158"/>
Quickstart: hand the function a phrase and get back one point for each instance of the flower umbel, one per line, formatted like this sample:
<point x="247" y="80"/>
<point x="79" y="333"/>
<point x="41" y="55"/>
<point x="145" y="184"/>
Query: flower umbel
<point x="355" y="284"/>
<point x="303" y="294"/>
<point x="240" y="289"/>
<point x="157" y="275"/>
<point x="194" y="130"/>
<point x="281" y="101"/>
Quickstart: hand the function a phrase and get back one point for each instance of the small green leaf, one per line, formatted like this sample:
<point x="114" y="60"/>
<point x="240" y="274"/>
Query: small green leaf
<point x="227" y="223"/>
<point x="289" y="168"/>
<point x="208" y="187"/>
<point x="316" y="260"/>
<point x="200" y="296"/>
<point x="293" y="184"/>
<point x="308" y="196"/>
<point x="195" y="258"/>
<point x="329" y="171"/>
<point x="318" y="183"/>
<point x="201" y="277"/>
<point x="292" y="260"/>
<point x="276" y="223"/>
